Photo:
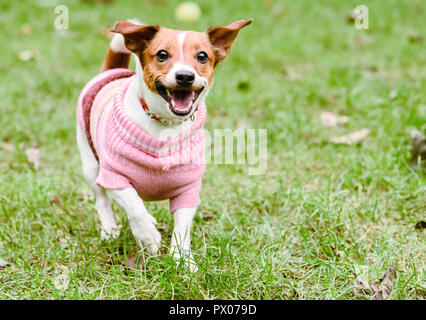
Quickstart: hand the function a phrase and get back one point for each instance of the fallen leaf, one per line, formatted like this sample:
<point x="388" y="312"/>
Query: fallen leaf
<point x="359" y="42"/>
<point x="386" y="282"/>
<point x="418" y="147"/>
<point x="363" y="287"/>
<point x="377" y="292"/>
<point x="4" y="264"/>
<point x="420" y="225"/>
<point x="26" y="29"/>
<point x="207" y="216"/>
<point x="63" y="242"/>
<point x="368" y="71"/>
<point x="62" y="279"/>
<point x="329" y="119"/>
<point x="351" y="17"/>
<point x="56" y="201"/>
<point x="361" y="270"/>
<point x="309" y="186"/>
<point x="133" y="261"/>
<point x="33" y="157"/>
<point x="292" y="74"/>
<point x="393" y="94"/>
<point x="413" y="38"/>
<point x="268" y="3"/>
<point x="163" y="227"/>
<point x="352" y="138"/>
<point x="26" y="55"/>
<point x="7" y="146"/>
<point x="278" y="10"/>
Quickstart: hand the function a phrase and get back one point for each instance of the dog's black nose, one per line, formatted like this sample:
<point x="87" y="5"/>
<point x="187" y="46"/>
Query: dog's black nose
<point x="185" y="78"/>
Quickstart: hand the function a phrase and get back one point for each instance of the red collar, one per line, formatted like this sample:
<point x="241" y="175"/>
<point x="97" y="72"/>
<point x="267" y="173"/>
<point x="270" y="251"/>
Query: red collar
<point x="165" y="121"/>
<point x="147" y="111"/>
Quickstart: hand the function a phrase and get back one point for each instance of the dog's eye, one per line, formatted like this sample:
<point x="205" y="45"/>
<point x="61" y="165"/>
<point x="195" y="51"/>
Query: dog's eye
<point x="162" y="55"/>
<point x="202" y="57"/>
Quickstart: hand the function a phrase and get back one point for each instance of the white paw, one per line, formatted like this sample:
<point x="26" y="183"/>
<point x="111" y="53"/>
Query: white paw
<point x="145" y="233"/>
<point x="110" y="233"/>
<point x="184" y="257"/>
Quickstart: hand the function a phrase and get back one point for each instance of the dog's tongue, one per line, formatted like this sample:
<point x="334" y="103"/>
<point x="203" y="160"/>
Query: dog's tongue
<point x="182" y="99"/>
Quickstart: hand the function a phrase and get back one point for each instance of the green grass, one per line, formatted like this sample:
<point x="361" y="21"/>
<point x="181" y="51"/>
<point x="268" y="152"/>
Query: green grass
<point x="322" y="212"/>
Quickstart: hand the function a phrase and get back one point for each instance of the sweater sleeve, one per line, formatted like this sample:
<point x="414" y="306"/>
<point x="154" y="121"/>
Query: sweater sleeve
<point x="187" y="199"/>
<point x="109" y="179"/>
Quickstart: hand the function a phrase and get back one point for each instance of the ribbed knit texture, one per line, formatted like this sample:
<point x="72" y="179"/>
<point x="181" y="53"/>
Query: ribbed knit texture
<point x="158" y="169"/>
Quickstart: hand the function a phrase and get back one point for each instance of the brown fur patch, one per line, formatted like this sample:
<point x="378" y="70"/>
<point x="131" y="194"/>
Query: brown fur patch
<point x="115" y="60"/>
<point x="222" y="38"/>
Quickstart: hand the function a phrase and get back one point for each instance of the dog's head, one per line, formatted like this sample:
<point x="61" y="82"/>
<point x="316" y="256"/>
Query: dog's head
<point x="176" y="67"/>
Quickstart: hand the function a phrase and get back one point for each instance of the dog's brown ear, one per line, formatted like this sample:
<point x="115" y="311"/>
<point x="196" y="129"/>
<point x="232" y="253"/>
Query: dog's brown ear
<point x="222" y="38"/>
<point x="136" y="37"/>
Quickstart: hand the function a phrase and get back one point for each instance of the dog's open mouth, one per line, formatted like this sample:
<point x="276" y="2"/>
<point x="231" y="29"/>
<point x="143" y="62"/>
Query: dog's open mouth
<point x="180" y="100"/>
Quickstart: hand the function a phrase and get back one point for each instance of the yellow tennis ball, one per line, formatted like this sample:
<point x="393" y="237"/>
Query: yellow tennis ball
<point x="188" y="12"/>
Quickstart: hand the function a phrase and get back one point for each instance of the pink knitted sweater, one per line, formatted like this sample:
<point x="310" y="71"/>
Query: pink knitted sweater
<point x="129" y="157"/>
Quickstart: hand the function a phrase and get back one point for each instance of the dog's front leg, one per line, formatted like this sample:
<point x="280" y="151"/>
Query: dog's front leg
<point x="181" y="238"/>
<point x="141" y="222"/>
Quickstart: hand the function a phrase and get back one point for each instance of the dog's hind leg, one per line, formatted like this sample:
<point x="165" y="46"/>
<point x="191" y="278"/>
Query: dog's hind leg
<point x="90" y="172"/>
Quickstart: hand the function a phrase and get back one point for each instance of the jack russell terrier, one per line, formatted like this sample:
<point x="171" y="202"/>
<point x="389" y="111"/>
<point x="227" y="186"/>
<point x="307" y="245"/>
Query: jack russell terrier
<point x="140" y="134"/>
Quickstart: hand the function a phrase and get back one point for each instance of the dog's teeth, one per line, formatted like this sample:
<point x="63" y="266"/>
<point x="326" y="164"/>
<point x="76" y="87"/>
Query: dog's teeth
<point x="168" y="92"/>
<point x="173" y="103"/>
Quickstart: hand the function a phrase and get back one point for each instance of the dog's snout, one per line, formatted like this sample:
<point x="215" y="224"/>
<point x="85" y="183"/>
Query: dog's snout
<point x="185" y="78"/>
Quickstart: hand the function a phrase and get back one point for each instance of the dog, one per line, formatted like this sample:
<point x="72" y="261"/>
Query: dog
<point x="140" y="133"/>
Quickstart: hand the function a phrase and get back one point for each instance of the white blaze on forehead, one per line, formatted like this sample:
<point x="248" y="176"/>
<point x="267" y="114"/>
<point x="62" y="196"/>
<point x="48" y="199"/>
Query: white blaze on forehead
<point x="170" y="79"/>
<point x="181" y="39"/>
